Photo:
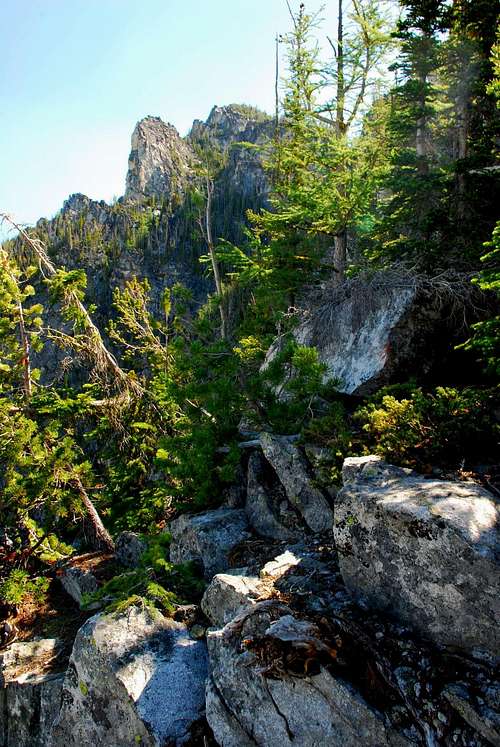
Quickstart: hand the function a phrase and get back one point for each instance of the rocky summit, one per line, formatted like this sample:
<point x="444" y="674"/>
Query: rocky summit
<point x="160" y="161"/>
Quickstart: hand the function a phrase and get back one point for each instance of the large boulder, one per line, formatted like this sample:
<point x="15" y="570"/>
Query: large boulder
<point x="268" y="509"/>
<point x="129" y="549"/>
<point x="133" y="678"/>
<point x="77" y="582"/>
<point x="30" y="693"/>
<point x="228" y="596"/>
<point x="424" y="551"/>
<point x="28" y="709"/>
<point x="248" y="706"/>
<point x="293" y="472"/>
<point x="208" y="537"/>
<point x="374" y="330"/>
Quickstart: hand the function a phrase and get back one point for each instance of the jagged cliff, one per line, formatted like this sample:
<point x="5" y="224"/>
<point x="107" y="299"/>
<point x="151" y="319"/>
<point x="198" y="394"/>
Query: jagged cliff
<point x="153" y="231"/>
<point x="160" y="162"/>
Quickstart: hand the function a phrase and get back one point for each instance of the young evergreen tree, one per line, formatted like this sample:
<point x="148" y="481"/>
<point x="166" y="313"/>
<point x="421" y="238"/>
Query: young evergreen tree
<point x="325" y="172"/>
<point x="435" y="209"/>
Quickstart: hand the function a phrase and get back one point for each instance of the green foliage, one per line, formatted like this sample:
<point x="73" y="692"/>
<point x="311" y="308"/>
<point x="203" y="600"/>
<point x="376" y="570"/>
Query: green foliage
<point x="436" y="204"/>
<point x="18" y="588"/>
<point x="486" y="337"/>
<point x="157" y="582"/>
<point x="391" y="179"/>
<point x="334" y="432"/>
<point x="448" y="427"/>
<point x="17" y="317"/>
<point x="288" y="386"/>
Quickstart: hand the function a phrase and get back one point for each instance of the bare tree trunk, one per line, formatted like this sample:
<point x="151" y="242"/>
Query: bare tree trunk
<point x="101" y="539"/>
<point x="277" y="170"/>
<point x="421" y="130"/>
<point x="340" y="254"/>
<point x="420" y="138"/>
<point x="462" y="126"/>
<point x="340" y="121"/>
<point x="340" y="240"/>
<point x="276" y="89"/>
<point x="211" y="251"/>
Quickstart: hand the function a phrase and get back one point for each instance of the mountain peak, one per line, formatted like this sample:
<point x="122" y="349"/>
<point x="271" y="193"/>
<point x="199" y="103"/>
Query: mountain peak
<point x="160" y="160"/>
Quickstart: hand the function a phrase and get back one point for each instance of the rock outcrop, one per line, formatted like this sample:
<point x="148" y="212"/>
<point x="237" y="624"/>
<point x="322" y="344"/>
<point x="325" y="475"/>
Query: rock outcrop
<point x="129" y="548"/>
<point x="132" y="679"/>
<point x="208" y="537"/>
<point x="374" y="331"/>
<point x="424" y="551"/>
<point x="77" y="582"/>
<point x="282" y="709"/>
<point x="29" y="697"/>
<point x="292" y="470"/>
<point x="267" y="507"/>
<point x="152" y="232"/>
<point x="160" y="162"/>
<point x="228" y="596"/>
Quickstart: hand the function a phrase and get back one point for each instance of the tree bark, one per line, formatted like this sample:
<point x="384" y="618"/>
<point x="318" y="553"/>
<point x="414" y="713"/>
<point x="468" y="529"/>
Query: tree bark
<point x="27" y="386"/>
<point x="101" y="538"/>
<point x="211" y="251"/>
<point x="421" y="125"/>
<point x="340" y="254"/>
<point x="340" y="113"/>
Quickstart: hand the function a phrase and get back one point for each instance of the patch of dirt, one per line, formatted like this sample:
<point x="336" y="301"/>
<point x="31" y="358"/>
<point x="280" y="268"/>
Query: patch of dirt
<point x="102" y="565"/>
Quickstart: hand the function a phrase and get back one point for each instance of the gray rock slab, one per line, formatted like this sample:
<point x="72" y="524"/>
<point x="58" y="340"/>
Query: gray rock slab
<point x="133" y="678"/>
<point x="479" y="715"/>
<point x="29" y="710"/>
<point x="267" y="506"/>
<point x="424" y="551"/>
<point x="77" y="582"/>
<point x="246" y="708"/>
<point x="29" y="702"/>
<point x="292" y="470"/>
<point x="228" y="595"/>
<point x="129" y="548"/>
<point x="208" y="537"/>
<point x="280" y="565"/>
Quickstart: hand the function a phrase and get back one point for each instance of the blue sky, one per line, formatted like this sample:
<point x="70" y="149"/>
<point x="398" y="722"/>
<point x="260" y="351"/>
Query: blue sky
<point x="76" y="75"/>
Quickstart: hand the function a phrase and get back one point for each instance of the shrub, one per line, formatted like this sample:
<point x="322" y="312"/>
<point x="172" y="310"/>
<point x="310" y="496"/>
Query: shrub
<point x="444" y="427"/>
<point x="156" y="583"/>
<point x="19" y="588"/>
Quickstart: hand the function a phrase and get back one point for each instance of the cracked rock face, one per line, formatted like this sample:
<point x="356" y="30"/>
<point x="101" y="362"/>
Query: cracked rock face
<point x="208" y="537"/>
<point x="369" y="333"/>
<point x="291" y="467"/>
<point x="228" y="595"/>
<point x="423" y="551"/>
<point x="260" y="710"/>
<point x="267" y="507"/>
<point x="160" y="160"/>
<point x="132" y="679"/>
<point x="29" y="702"/>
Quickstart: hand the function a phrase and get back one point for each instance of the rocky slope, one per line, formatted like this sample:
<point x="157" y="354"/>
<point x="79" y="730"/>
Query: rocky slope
<point x="377" y="627"/>
<point x="360" y="616"/>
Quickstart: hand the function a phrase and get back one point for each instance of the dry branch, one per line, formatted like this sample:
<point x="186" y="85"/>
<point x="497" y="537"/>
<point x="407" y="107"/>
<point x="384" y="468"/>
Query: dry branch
<point x="92" y="345"/>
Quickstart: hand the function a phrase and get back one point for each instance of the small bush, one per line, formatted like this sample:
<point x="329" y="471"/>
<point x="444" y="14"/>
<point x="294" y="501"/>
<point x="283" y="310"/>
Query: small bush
<point x="156" y="583"/>
<point x="445" y="427"/>
<point x="18" y="588"/>
<point x="333" y="432"/>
